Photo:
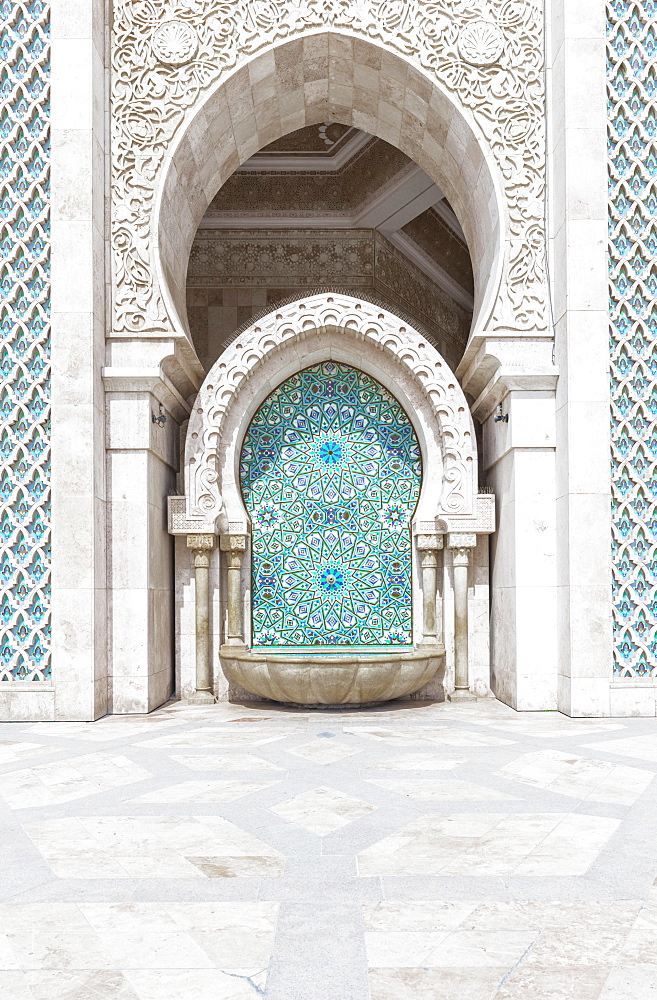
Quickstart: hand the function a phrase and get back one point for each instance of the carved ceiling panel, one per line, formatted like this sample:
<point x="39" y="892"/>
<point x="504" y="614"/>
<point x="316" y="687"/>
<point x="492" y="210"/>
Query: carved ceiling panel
<point x="436" y="238"/>
<point x="306" y="193"/>
<point x="233" y="274"/>
<point x="325" y="140"/>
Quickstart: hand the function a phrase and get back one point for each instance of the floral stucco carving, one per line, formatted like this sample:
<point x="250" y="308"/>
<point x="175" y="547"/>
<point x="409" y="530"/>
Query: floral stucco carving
<point x="359" y="320"/>
<point x="487" y="54"/>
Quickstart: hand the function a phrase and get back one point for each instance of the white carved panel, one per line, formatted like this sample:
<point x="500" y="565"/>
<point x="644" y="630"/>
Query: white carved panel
<point x="359" y="321"/>
<point x="488" y="56"/>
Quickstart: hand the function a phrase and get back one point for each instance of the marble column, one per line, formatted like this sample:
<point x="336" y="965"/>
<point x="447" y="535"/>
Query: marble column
<point x="428" y="547"/>
<point x="202" y="546"/>
<point x="234" y="546"/>
<point x="461" y="546"/>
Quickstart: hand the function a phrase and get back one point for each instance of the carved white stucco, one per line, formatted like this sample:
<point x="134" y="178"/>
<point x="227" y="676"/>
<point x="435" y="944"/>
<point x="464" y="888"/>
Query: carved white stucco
<point x="297" y="335"/>
<point x="199" y="86"/>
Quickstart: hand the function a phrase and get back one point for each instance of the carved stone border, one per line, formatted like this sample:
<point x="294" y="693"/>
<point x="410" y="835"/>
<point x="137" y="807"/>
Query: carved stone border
<point x="357" y="320"/>
<point x="166" y="57"/>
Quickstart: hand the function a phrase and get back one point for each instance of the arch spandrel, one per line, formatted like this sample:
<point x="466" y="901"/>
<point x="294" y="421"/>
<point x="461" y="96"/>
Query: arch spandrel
<point x="439" y="81"/>
<point x="344" y="328"/>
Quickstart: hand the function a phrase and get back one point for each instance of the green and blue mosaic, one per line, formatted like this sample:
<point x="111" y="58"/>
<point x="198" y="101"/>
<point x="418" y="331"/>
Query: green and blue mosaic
<point x="24" y="342"/>
<point x="632" y="159"/>
<point x="331" y="474"/>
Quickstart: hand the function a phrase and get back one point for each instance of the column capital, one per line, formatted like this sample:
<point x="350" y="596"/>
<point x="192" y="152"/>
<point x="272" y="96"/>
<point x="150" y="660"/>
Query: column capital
<point x="429" y="542"/>
<point x="428" y="557"/>
<point x="232" y="543"/>
<point x="201" y="543"/>
<point x="460" y="540"/>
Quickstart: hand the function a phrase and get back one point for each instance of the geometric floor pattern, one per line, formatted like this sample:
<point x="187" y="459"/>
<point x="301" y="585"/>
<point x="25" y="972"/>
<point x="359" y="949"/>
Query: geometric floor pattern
<point x="416" y="852"/>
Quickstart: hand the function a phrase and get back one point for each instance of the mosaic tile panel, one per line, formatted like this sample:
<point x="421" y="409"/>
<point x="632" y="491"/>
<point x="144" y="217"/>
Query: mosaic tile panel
<point x="24" y="342"/>
<point x="632" y="132"/>
<point x="331" y="474"/>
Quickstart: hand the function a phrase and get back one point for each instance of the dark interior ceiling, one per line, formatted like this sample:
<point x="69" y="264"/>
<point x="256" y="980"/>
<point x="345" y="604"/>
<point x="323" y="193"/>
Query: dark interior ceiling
<point x="329" y="206"/>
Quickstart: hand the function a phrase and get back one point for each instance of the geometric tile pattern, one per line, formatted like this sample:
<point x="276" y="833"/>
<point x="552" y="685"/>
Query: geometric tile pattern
<point x="459" y="845"/>
<point x="322" y="810"/>
<point x="24" y="341"/>
<point x="331" y="475"/>
<point x="632" y="161"/>
<point x="502" y="875"/>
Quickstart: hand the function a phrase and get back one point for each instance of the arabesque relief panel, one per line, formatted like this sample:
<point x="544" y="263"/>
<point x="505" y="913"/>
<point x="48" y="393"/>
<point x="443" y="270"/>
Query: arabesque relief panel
<point x="487" y="56"/>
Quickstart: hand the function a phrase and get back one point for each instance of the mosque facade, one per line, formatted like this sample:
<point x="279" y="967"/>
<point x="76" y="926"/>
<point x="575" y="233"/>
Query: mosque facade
<point x="328" y="354"/>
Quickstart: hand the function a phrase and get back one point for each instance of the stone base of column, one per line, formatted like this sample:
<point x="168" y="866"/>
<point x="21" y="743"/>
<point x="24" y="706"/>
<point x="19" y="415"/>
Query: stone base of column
<point x="461" y="694"/>
<point x="201" y="698"/>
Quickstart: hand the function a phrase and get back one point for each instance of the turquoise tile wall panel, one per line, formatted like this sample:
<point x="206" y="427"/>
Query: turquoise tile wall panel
<point x="331" y="475"/>
<point x="24" y="342"/>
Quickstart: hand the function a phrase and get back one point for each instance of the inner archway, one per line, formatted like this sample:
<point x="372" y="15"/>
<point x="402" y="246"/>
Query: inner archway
<point x="352" y="335"/>
<point x="331" y="474"/>
<point x="314" y="82"/>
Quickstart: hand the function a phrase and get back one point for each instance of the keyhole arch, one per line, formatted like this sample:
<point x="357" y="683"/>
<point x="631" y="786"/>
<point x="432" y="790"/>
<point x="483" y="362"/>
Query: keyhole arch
<point x="330" y="475"/>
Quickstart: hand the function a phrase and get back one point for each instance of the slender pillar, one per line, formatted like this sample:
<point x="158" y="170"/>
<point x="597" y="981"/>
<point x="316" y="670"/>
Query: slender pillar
<point x="461" y="546"/>
<point x="202" y="546"/>
<point x="234" y="546"/>
<point x="428" y="546"/>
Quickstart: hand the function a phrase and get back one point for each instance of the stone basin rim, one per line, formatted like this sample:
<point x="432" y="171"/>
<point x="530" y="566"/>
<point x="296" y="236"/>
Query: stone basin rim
<point x="249" y="655"/>
<point x="322" y="679"/>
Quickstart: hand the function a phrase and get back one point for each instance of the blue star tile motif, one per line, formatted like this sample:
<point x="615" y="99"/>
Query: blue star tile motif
<point x="331" y="473"/>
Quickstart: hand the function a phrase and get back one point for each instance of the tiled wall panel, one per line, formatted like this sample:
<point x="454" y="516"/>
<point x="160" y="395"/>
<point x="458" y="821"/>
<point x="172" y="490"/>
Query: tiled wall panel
<point x="24" y="342"/>
<point x="632" y="90"/>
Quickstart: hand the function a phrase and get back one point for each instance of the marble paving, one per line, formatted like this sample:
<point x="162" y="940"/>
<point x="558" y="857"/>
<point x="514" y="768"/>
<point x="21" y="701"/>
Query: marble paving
<point x="416" y="852"/>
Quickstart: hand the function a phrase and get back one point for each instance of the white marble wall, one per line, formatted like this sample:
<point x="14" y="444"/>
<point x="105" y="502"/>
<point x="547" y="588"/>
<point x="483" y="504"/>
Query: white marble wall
<point x="578" y="227"/>
<point x="519" y="458"/>
<point x="549" y="466"/>
<point x="79" y="539"/>
<point x="142" y="460"/>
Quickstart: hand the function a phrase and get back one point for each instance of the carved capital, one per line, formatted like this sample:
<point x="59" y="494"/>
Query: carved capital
<point x="425" y="542"/>
<point x="201" y="543"/>
<point x="460" y="540"/>
<point x="233" y="543"/>
<point x="461" y="556"/>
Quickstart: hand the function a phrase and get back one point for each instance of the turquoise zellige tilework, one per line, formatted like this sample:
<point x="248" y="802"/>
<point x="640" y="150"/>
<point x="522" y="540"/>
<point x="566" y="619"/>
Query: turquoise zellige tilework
<point x="632" y="133"/>
<point x="331" y="475"/>
<point x="24" y="342"/>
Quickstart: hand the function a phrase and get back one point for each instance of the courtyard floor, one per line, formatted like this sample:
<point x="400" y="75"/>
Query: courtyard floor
<point x="432" y="852"/>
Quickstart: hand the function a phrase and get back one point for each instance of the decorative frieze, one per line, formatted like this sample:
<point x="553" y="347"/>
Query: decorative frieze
<point x="288" y="260"/>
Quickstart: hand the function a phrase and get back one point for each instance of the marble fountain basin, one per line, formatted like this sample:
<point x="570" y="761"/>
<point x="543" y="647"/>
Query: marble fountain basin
<point x="326" y="679"/>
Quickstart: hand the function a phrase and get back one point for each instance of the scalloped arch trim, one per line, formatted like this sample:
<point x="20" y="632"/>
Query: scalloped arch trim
<point x="285" y="329"/>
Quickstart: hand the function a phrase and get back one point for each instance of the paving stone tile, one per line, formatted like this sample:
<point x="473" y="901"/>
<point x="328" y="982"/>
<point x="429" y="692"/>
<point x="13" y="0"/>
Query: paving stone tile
<point x="434" y="852"/>
<point x="431" y="984"/>
<point x="322" y="810"/>
<point x="224" y="762"/>
<point x="579" y="777"/>
<point x="431" y="790"/>
<point x="204" y="791"/>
